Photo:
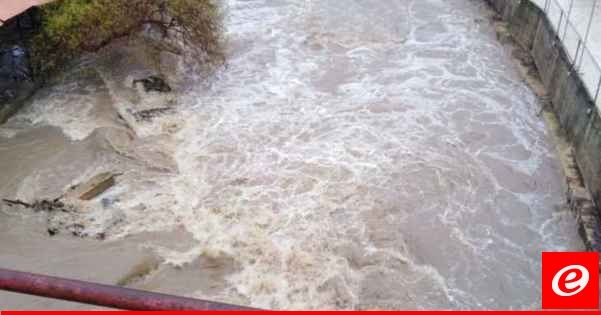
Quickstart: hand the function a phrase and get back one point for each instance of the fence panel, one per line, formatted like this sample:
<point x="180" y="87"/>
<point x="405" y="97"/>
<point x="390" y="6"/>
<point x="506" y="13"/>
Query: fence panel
<point x="556" y="14"/>
<point x="576" y="46"/>
<point x="571" y="41"/>
<point x="590" y="72"/>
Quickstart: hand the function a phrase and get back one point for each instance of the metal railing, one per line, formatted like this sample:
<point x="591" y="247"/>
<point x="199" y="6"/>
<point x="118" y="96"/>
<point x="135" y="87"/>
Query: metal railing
<point x="104" y="295"/>
<point x="577" y="46"/>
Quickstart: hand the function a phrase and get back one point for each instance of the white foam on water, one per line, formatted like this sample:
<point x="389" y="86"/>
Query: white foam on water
<point x="342" y="144"/>
<point x="76" y="102"/>
<point x="352" y="154"/>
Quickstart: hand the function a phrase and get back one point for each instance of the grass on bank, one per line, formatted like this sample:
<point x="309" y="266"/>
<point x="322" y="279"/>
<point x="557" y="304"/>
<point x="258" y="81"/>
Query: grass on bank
<point x="71" y="28"/>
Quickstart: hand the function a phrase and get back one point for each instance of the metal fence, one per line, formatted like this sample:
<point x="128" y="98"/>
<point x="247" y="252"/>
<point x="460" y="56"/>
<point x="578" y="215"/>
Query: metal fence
<point x="577" y="46"/>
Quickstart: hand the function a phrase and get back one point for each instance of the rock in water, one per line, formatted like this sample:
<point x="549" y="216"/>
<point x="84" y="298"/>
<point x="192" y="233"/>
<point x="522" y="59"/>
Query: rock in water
<point x="16" y="83"/>
<point x="13" y="70"/>
<point x="153" y="83"/>
<point x="16" y="78"/>
<point x="93" y="187"/>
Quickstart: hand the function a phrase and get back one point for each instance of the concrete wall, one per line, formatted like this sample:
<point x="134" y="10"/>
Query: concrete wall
<point x="571" y="102"/>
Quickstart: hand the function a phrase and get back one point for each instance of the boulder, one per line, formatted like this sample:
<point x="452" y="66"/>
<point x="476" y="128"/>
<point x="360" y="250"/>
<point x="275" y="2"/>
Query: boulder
<point x="16" y="79"/>
<point x="16" y="83"/>
<point x="13" y="71"/>
<point x="14" y="61"/>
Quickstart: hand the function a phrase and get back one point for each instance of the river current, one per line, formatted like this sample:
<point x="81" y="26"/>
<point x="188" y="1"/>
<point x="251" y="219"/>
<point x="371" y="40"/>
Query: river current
<point x="358" y="154"/>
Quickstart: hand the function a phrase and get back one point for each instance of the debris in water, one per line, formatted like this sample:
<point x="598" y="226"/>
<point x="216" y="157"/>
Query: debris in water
<point x="52" y="207"/>
<point x="61" y="217"/>
<point x="93" y="187"/>
<point x="16" y="203"/>
<point x="148" y="114"/>
<point x="39" y="205"/>
<point x="153" y="83"/>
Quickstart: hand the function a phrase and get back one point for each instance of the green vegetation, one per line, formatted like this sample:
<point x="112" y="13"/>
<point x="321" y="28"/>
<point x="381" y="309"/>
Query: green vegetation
<point x="73" y="27"/>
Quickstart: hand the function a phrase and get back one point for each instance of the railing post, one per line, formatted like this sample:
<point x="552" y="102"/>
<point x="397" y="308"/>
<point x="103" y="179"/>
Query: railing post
<point x="581" y="56"/>
<point x="576" y="54"/>
<point x="598" y="90"/>
<point x="588" y="29"/>
<point x="565" y="31"/>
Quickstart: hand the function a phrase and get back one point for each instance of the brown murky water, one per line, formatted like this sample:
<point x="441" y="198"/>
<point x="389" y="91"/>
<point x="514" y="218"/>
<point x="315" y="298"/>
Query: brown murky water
<point x="353" y="155"/>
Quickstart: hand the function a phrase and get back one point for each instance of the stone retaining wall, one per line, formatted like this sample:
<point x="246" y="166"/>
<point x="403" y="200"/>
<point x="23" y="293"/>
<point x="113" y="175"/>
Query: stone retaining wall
<point x="577" y="115"/>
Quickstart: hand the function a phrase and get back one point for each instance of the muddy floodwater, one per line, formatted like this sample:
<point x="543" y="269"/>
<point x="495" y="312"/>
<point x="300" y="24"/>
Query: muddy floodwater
<point x="352" y="155"/>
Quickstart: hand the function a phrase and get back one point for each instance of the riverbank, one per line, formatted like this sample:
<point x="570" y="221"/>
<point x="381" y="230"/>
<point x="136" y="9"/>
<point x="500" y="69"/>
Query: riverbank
<point x="571" y="115"/>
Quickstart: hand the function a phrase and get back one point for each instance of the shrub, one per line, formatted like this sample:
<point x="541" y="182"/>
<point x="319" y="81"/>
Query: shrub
<point x="73" y="27"/>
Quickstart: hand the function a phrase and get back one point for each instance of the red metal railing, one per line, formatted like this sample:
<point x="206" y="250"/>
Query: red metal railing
<point x="102" y="295"/>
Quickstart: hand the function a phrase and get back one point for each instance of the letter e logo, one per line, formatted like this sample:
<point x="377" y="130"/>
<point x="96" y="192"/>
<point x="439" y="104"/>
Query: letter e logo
<point x="570" y="280"/>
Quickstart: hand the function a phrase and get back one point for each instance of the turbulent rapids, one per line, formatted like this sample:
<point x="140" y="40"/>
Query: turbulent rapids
<point x="358" y="154"/>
